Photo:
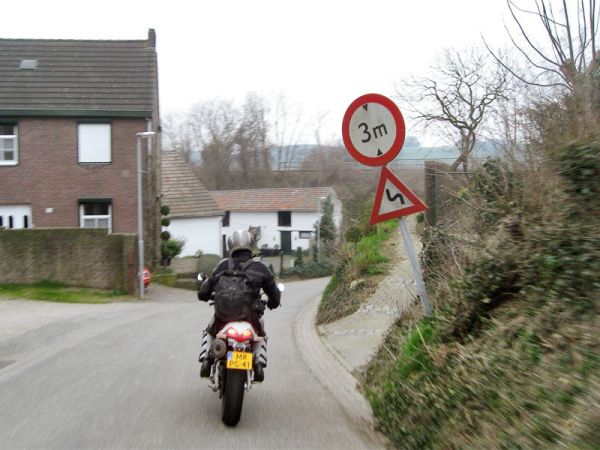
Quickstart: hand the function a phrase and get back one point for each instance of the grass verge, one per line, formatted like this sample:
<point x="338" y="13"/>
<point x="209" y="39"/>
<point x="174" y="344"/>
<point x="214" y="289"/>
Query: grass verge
<point x="358" y="270"/>
<point x="56" y="292"/>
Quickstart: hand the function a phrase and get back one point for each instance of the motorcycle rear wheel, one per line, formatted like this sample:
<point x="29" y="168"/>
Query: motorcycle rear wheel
<point x="233" y="396"/>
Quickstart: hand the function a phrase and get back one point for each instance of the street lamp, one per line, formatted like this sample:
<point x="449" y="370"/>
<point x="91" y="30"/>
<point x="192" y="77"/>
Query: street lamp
<point x="319" y="228"/>
<point x="139" y="137"/>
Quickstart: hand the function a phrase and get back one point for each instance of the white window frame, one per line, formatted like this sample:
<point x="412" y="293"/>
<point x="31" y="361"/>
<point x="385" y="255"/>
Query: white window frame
<point x="95" y="217"/>
<point x="94" y="142"/>
<point x="302" y="234"/>
<point x="15" y="138"/>
<point x="15" y="214"/>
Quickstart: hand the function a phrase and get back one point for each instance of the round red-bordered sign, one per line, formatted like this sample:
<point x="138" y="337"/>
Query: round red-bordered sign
<point x="373" y="130"/>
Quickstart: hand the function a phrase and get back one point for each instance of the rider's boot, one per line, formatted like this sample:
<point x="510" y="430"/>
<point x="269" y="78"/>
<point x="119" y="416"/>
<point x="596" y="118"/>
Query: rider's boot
<point x="204" y="357"/>
<point x="260" y="360"/>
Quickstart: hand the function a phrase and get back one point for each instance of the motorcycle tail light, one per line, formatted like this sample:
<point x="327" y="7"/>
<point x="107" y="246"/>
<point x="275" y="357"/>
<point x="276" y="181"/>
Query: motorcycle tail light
<point x="232" y="333"/>
<point x="247" y="334"/>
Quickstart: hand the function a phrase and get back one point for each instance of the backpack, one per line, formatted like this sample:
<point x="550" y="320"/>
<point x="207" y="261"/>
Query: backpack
<point x="235" y="293"/>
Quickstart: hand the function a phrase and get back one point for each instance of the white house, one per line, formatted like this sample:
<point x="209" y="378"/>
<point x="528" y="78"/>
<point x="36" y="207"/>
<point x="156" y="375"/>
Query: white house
<point x="282" y="218"/>
<point x="194" y="215"/>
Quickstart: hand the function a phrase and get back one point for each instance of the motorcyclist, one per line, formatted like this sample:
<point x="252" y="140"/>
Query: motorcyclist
<point x="240" y="248"/>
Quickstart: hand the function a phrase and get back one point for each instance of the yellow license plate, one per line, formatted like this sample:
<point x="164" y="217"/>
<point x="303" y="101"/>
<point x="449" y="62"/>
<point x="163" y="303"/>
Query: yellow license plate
<point x="239" y="360"/>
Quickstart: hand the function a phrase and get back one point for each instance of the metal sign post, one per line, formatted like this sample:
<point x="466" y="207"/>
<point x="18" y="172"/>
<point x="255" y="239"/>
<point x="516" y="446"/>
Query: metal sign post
<point x="420" y="284"/>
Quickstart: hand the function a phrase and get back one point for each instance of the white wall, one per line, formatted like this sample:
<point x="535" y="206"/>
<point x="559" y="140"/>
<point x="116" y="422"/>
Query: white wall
<point x="17" y="212"/>
<point x="200" y="233"/>
<point x="269" y="228"/>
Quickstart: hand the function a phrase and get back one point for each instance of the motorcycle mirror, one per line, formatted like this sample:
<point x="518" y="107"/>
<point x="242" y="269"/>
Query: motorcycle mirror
<point x="201" y="277"/>
<point x="281" y="287"/>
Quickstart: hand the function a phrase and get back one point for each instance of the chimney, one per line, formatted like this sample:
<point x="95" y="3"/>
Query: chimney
<point x="152" y="37"/>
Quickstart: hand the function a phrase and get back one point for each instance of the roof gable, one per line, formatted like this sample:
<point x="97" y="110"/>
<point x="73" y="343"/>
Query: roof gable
<point x="77" y="75"/>
<point x="183" y="192"/>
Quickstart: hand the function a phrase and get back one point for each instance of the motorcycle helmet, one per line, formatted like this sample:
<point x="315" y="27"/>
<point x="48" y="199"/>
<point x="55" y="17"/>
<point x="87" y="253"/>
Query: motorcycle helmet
<point x="239" y="240"/>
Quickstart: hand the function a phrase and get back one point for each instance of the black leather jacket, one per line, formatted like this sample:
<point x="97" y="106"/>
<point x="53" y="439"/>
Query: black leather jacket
<point x="258" y="272"/>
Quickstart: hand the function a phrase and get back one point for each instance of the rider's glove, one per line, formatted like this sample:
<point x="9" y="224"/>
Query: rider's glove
<point x="272" y="304"/>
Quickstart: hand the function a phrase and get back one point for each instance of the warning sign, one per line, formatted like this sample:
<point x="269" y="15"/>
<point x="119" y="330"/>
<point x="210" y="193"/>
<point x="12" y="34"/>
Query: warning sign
<point x="394" y="199"/>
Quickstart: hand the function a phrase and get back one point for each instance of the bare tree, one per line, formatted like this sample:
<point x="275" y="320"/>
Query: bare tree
<point x="458" y="98"/>
<point x="567" y="58"/>
<point x="176" y="136"/>
<point x="232" y="142"/>
<point x="251" y="143"/>
<point x="287" y="130"/>
<point x="214" y="127"/>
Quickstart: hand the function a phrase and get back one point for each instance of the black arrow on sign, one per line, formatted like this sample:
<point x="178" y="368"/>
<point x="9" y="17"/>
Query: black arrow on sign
<point x="366" y="106"/>
<point x="379" y="153"/>
<point x="395" y="197"/>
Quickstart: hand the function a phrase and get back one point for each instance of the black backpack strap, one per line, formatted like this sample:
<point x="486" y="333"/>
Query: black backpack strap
<point x="228" y="270"/>
<point x="246" y="265"/>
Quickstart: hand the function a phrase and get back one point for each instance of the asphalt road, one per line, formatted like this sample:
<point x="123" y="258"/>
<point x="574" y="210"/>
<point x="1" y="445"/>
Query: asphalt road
<point x="126" y="376"/>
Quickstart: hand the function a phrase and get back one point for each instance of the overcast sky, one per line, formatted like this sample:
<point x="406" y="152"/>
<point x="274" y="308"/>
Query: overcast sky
<point x="321" y="54"/>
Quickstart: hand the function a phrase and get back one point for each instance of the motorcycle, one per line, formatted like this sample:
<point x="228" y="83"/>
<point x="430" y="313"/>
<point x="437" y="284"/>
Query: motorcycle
<point x="234" y="350"/>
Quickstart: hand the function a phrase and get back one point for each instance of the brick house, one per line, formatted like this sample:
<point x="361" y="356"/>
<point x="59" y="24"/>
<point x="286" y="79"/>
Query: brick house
<point x="69" y="114"/>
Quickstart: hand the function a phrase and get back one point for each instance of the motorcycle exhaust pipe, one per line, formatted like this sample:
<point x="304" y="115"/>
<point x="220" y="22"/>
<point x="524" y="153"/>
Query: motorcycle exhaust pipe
<point x="219" y="348"/>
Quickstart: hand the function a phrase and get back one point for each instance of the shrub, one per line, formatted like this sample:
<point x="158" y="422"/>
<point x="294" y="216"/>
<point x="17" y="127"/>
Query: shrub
<point x="579" y="165"/>
<point x="354" y="234"/>
<point x="169" y="249"/>
<point x="299" y="257"/>
<point x="504" y="362"/>
<point x="310" y="270"/>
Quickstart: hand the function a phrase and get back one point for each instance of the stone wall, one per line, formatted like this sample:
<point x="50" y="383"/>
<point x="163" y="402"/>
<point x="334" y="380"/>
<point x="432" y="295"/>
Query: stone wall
<point x="74" y="257"/>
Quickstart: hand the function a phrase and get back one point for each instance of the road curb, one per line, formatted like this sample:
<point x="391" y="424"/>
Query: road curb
<point x="333" y="375"/>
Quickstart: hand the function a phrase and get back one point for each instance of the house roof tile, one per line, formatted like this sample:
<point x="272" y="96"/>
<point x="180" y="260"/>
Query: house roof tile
<point x="182" y="190"/>
<point x="78" y="75"/>
<point x="272" y="199"/>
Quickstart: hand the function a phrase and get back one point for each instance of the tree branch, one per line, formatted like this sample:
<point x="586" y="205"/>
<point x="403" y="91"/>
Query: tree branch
<point x="521" y="78"/>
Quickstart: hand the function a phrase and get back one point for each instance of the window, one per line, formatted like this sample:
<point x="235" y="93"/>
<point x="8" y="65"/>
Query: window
<point x="94" y="142"/>
<point x="8" y="145"/>
<point x="15" y="216"/>
<point x="284" y="218"/>
<point x="304" y="234"/>
<point x="226" y="219"/>
<point x="95" y="215"/>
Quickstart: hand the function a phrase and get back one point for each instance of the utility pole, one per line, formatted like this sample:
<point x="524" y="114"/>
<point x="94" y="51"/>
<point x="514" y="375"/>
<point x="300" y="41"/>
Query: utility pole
<point x="140" y="209"/>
